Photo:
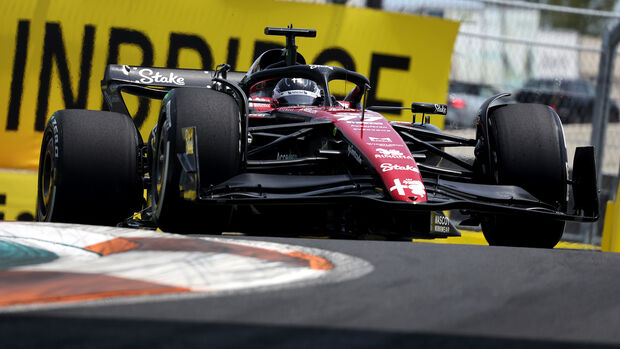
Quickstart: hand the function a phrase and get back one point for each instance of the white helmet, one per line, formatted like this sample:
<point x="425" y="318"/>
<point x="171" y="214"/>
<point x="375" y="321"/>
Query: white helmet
<point x="296" y="91"/>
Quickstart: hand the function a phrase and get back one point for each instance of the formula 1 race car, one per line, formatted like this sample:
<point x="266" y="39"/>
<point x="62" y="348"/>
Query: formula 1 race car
<point x="273" y="151"/>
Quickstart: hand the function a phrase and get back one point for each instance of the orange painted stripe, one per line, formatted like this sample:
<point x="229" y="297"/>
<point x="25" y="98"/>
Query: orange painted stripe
<point x="28" y="287"/>
<point x="198" y="245"/>
<point x="117" y="245"/>
<point x="316" y="262"/>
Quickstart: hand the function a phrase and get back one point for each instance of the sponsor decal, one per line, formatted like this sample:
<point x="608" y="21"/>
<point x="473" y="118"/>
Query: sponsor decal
<point x="298" y="92"/>
<point x="309" y="110"/>
<point x="393" y="145"/>
<point x="364" y="123"/>
<point x="358" y="126"/>
<point x="314" y="66"/>
<point x="409" y="186"/>
<point x="344" y="104"/>
<point x="55" y="132"/>
<point x="355" y="154"/>
<point x="149" y="77"/>
<point x="391" y="154"/>
<point x="440" y="108"/>
<point x="356" y="118"/>
<point x="286" y="156"/>
<point x="380" y="139"/>
<point x="439" y="223"/>
<point x="386" y="167"/>
<point x="381" y="129"/>
<point x="442" y="220"/>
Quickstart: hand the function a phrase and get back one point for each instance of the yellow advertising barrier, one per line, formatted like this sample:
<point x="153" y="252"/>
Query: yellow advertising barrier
<point x="17" y="195"/>
<point x="610" y="241"/>
<point x="55" y="53"/>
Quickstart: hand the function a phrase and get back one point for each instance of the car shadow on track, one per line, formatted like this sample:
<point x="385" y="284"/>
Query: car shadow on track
<point x="26" y="331"/>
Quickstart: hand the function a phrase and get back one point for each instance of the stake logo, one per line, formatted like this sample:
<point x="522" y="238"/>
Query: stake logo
<point x="440" y="108"/>
<point x="385" y="167"/>
<point x="149" y="77"/>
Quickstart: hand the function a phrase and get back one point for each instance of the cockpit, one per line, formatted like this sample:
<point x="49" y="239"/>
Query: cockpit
<point x="282" y="78"/>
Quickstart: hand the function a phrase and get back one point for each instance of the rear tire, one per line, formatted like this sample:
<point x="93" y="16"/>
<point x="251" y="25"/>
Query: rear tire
<point x="217" y="120"/>
<point x="527" y="150"/>
<point x="88" y="168"/>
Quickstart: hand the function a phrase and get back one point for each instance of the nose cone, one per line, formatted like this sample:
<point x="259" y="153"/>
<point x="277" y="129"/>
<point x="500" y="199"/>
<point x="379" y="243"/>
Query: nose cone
<point x="385" y="150"/>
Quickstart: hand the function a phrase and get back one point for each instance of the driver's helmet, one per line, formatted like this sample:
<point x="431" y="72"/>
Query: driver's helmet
<point x="296" y="91"/>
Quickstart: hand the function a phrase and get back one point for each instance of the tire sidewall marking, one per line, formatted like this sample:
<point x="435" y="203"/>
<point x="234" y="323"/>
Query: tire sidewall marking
<point x="54" y="131"/>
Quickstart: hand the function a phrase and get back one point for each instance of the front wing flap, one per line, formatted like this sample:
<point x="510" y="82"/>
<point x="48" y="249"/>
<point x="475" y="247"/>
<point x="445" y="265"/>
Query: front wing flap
<point x="271" y="189"/>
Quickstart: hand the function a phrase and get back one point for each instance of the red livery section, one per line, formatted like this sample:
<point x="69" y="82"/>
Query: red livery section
<point x="381" y="146"/>
<point x="373" y="140"/>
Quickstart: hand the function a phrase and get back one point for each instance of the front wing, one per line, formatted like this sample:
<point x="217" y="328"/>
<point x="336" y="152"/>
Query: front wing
<point x="268" y="189"/>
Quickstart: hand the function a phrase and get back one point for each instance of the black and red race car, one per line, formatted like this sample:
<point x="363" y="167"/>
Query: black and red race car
<point x="273" y="151"/>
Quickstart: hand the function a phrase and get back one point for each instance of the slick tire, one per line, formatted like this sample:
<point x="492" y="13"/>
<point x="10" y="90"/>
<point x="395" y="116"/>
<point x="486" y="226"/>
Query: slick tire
<point x="527" y="150"/>
<point x="217" y="119"/>
<point x="88" y="168"/>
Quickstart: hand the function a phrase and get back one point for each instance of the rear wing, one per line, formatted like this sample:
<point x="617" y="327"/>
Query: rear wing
<point x="154" y="82"/>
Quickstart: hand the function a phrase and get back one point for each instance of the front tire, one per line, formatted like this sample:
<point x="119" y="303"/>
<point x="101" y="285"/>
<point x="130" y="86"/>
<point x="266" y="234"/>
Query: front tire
<point x="88" y="168"/>
<point x="527" y="150"/>
<point x="217" y="120"/>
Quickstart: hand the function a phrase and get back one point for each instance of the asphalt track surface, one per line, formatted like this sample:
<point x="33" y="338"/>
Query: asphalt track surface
<point x="419" y="295"/>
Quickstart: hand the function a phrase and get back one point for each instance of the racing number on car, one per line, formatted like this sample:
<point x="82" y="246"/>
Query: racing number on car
<point x="357" y="117"/>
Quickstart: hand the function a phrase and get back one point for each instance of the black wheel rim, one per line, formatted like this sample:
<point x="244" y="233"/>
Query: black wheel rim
<point x="160" y="171"/>
<point x="46" y="178"/>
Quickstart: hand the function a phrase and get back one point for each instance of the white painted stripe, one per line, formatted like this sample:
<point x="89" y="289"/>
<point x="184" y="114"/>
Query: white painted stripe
<point x="206" y="273"/>
<point x="194" y="270"/>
